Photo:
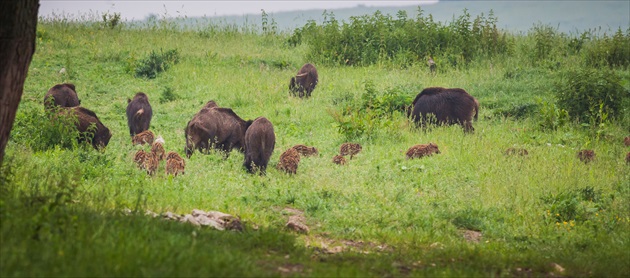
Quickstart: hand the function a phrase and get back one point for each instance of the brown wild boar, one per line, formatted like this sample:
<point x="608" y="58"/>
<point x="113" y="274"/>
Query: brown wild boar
<point x="139" y="113"/>
<point x="586" y="156"/>
<point x="157" y="148"/>
<point x="89" y="126"/>
<point x="350" y="149"/>
<point x="419" y="151"/>
<point x="215" y="127"/>
<point x="306" y="150"/>
<point x="260" y="140"/>
<point x="175" y="164"/>
<point x="289" y="161"/>
<point x="145" y="137"/>
<point x="305" y="81"/>
<point x="437" y="105"/>
<point x="140" y="157"/>
<point x="516" y="151"/>
<point x="63" y="95"/>
<point x="339" y="159"/>
<point x="151" y="163"/>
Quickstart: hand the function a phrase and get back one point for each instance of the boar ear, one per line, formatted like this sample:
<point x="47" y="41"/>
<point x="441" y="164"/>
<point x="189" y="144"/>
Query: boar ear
<point x="71" y="86"/>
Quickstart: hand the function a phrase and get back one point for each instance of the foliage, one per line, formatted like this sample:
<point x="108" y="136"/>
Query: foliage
<point x="370" y="39"/>
<point x="111" y="21"/>
<point x="155" y="63"/>
<point x="575" y="205"/>
<point x="609" y="51"/>
<point x="45" y="130"/>
<point x="373" y="111"/>
<point x="168" y="95"/>
<point x="267" y="27"/>
<point x="552" y="117"/>
<point x="591" y="95"/>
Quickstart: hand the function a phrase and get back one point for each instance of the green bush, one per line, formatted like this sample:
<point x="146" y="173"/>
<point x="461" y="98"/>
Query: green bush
<point x="370" y="39"/>
<point x="375" y="110"/>
<point x="591" y="95"/>
<point x="44" y="130"/>
<point x="609" y="51"/>
<point x="574" y="205"/>
<point x="552" y="117"/>
<point x="155" y="63"/>
<point x="168" y="95"/>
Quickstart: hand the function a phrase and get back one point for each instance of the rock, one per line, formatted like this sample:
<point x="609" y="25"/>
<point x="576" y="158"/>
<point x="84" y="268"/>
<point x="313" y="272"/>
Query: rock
<point x="472" y="236"/>
<point x="296" y="223"/>
<point x="198" y="212"/>
<point x="204" y="220"/>
<point x="190" y="219"/>
<point x="170" y="216"/>
<point x="557" y="268"/>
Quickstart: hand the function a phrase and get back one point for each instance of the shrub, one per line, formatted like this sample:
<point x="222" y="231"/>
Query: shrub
<point x="552" y="117"/>
<point x="168" y="95"/>
<point x="155" y="63"/>
<point x="374" y="111"/>
<point x="370" y="39"/>
<point x="44" y="130"/>
<point x="577" y="204"/>
<point x="111" y="20"/>
<point x="590" y="95"/>
<point x="609" y="51"/>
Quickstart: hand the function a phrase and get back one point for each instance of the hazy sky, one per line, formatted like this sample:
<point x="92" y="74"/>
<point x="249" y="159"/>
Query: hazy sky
<point x="139" y="9"/>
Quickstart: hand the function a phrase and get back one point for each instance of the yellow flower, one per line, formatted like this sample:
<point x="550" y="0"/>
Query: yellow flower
<point x="565" y="222"/>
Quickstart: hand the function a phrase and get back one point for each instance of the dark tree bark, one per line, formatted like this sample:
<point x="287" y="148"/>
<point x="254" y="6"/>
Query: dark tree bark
<point x="18" y="24"/>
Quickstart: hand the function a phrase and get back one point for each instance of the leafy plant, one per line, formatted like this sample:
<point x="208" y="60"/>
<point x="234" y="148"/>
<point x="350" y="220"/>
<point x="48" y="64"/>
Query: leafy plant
<point x="168" y="95"/>
<point x="612" y="52"/>
<point x="588" y="94"/>
<point x="45" y="130"/>
<point x="155" y="63"/>
<point x="371" y="39"/>
<point x="552" y="117"/>
<point x="111" y="20"/>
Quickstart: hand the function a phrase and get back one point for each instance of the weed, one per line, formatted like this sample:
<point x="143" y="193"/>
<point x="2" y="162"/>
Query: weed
<point x="168" y="95"/>
<point x="591" y="96"/>
<point x="155" y="63"/>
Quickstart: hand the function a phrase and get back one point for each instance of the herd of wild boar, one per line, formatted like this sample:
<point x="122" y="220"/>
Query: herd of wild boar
<point x="220" y="128"/>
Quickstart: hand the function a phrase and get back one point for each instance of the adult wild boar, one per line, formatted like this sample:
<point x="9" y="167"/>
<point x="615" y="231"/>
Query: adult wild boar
<point x="260" y="140"/>
<point x="89" y="126"/>
<point x="437" y="105"/>
<point x="139" y="113"/>
<point x="63" y="95"/>
<point x="215" y="127"/>
<point x="305" y="81"/>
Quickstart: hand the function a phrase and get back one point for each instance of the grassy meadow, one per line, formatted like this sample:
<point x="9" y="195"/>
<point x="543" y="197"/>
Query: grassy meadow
<point x="544" y="214"/>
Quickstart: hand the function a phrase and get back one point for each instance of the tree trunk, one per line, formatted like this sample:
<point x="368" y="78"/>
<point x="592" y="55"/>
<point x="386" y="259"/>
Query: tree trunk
<point x="18" y="24"/>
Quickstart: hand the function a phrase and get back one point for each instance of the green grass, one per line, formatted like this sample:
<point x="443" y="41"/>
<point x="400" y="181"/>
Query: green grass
<point x="62" y="210"/>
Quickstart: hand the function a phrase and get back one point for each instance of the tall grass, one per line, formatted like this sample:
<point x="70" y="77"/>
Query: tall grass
<point x="63" y="209"/>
